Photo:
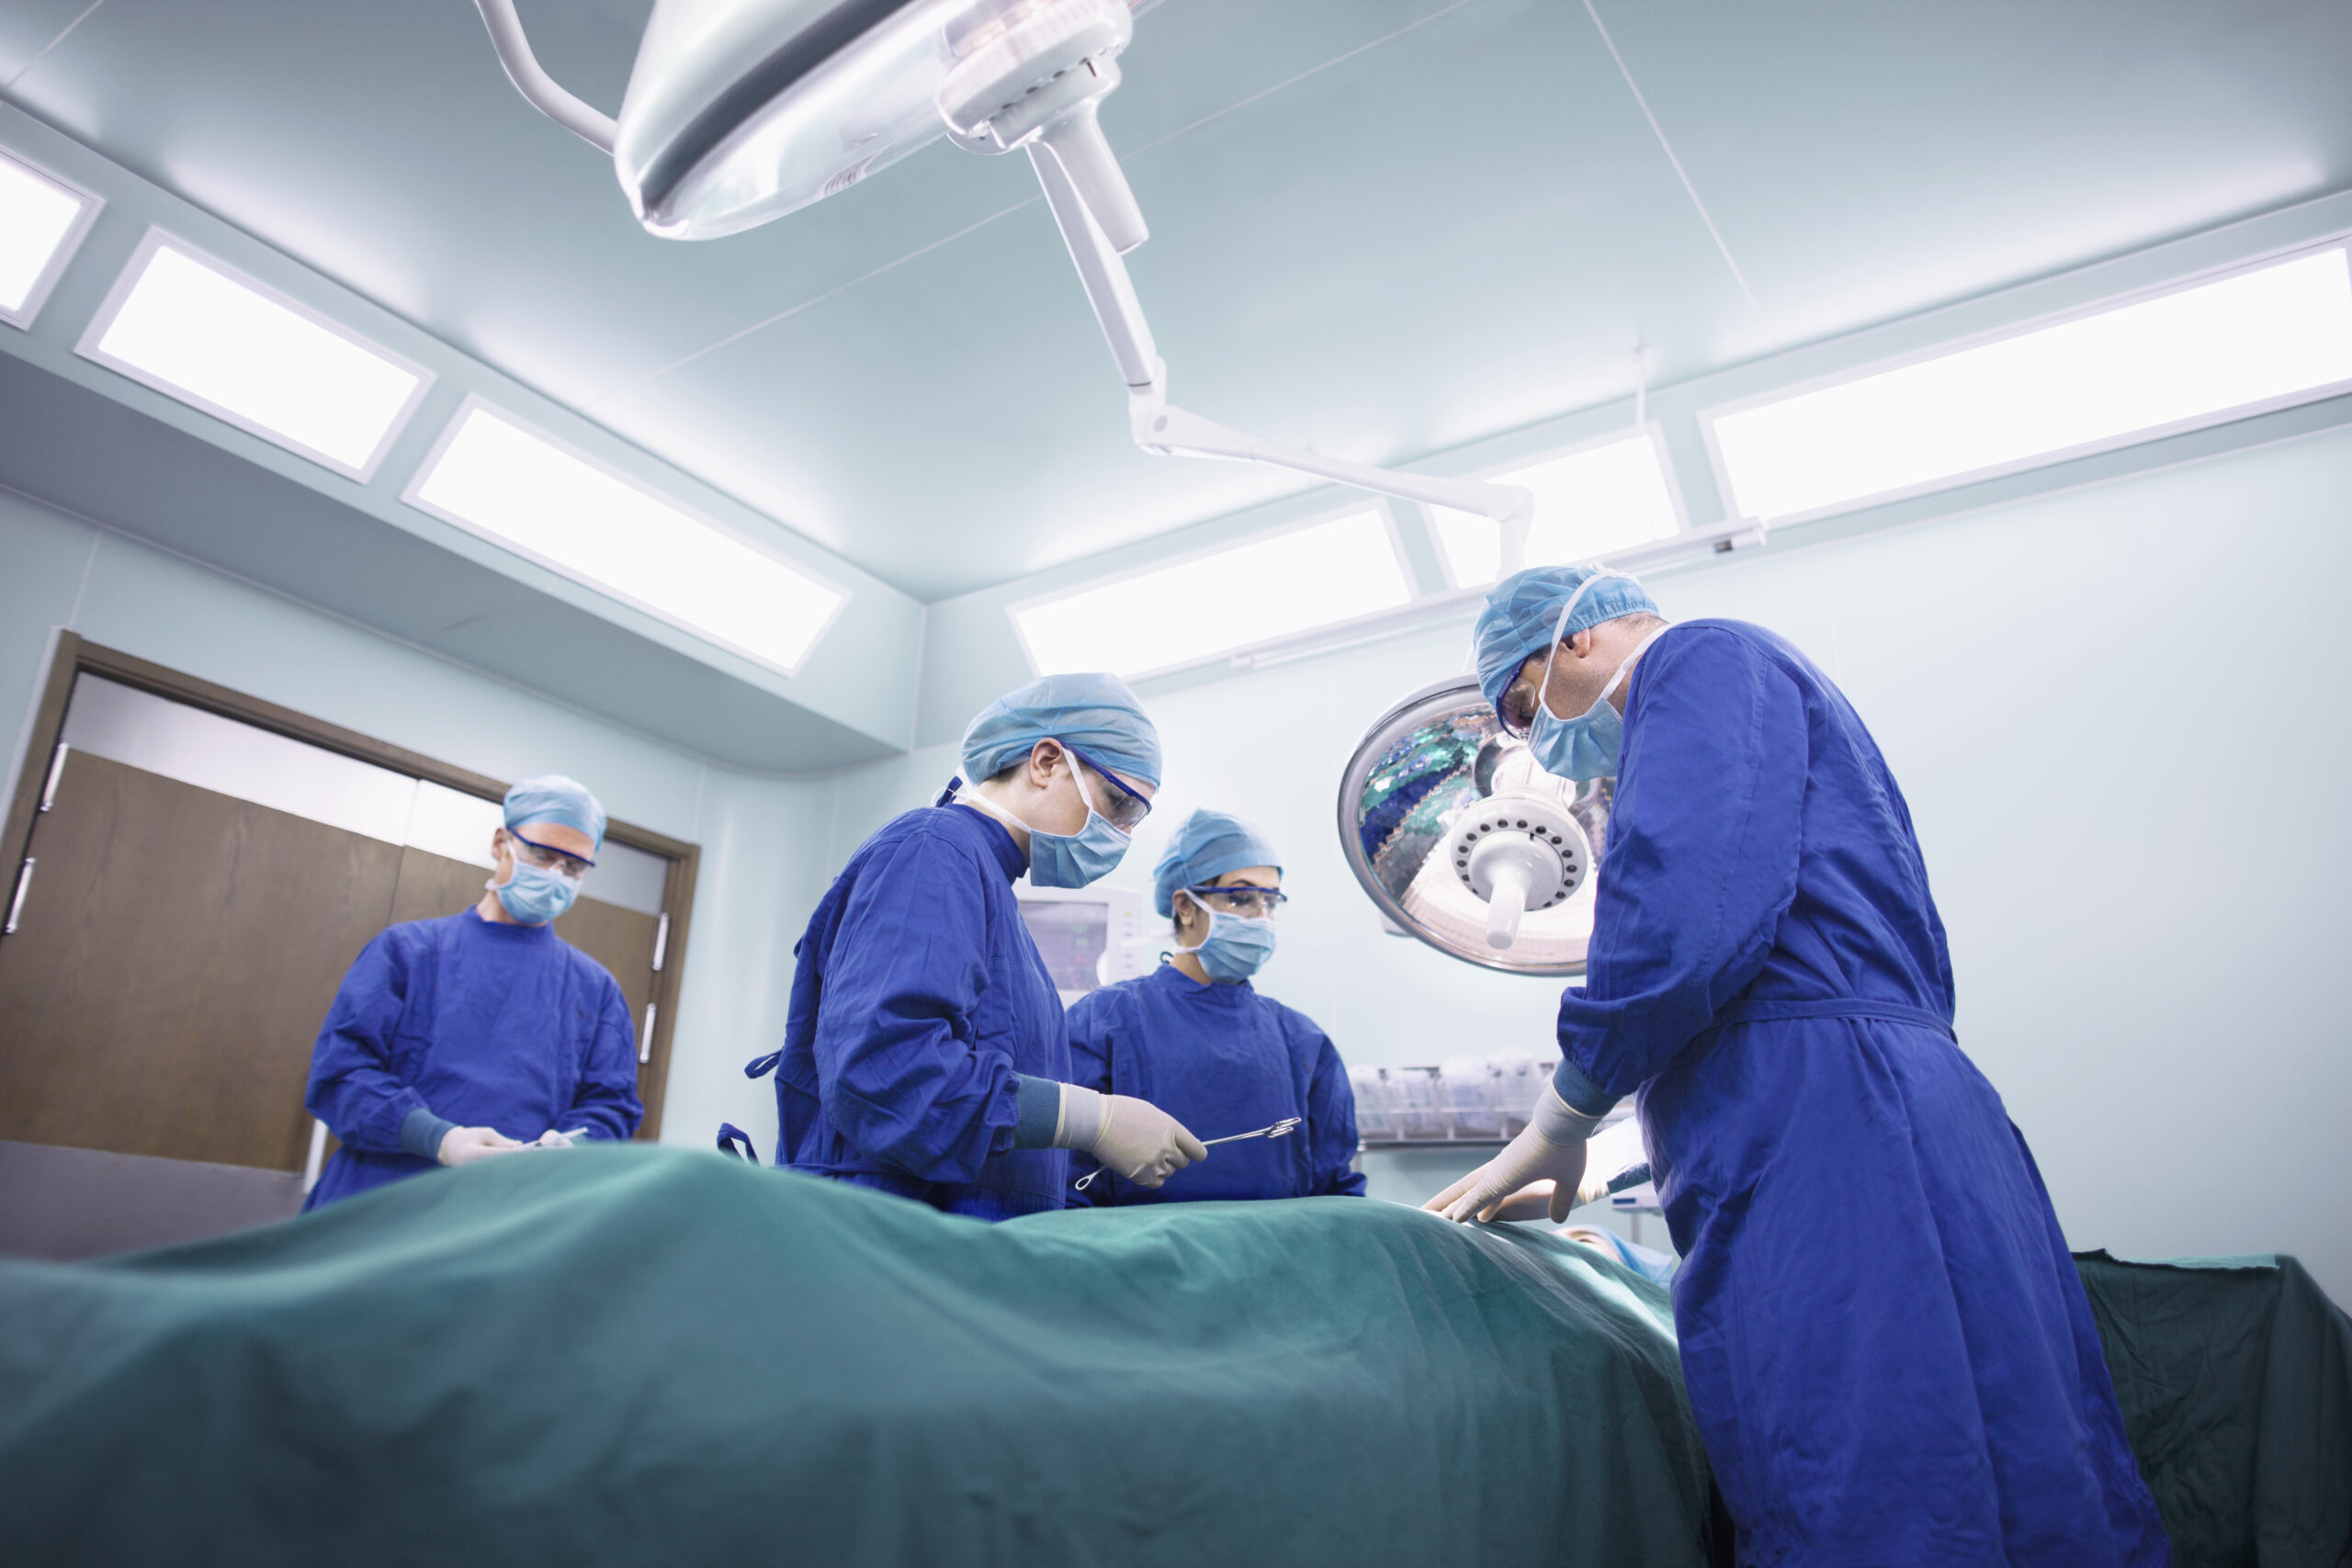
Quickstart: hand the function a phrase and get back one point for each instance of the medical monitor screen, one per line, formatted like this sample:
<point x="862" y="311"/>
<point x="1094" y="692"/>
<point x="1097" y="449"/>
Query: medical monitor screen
<point x="1073" y="937"/>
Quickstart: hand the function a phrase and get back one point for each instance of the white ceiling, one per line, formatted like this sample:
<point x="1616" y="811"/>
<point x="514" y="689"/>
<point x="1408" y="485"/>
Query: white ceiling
<point x="1381" y="227"/>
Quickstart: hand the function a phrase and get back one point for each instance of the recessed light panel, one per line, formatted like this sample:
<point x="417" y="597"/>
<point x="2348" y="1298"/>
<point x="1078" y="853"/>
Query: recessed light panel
<point x="41" y="220"/>
<point x="2267" y="338"/>
<point x="192" y="328"/>
<point x="1197" y="609"/>
<point x="540" y="499"/>
<point x="1604" y="498"/>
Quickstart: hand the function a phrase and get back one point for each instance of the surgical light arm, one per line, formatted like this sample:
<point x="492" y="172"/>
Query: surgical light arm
<point x="1161" y="428"/>
<point x="540" y="89"/>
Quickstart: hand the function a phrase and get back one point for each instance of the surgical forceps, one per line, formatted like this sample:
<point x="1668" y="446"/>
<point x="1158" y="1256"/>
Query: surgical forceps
<point x="1286" y="1125"/>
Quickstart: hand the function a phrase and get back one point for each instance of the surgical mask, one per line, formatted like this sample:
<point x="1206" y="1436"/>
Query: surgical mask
<point x="535" y="894"/>
<point x="1586" y="746"/>
<point x="1073" y="859"/>
<point x="1236" y="947"/>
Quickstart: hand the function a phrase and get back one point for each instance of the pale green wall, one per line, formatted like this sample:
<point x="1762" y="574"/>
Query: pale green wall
<point x="763" y="838"/>
<point x="2119" y="716"/>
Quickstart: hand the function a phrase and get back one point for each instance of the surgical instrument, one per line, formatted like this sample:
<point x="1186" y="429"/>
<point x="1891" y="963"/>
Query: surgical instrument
<point x="1279" y="1129"/>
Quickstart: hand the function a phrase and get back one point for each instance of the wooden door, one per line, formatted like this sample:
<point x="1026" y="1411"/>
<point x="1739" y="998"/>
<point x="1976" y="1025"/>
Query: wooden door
<point x="175" y="954"/>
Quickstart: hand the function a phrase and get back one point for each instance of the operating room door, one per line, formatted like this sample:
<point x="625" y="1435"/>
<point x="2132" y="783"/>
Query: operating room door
<point x="192" y="890"/>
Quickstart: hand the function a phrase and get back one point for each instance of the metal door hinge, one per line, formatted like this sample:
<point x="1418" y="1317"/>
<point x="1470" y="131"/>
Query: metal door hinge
<point x="16" y="904"/>
<point x="645" y="1049"/>
<point x="661" y="941"/>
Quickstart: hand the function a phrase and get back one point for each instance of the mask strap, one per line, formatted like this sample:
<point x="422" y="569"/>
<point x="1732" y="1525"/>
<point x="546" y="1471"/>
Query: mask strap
<point x="1208" y="914"/>
<point x="1559" y="630"/>
<point x="1627" y="667"/>
<point x="1078" y="776"/>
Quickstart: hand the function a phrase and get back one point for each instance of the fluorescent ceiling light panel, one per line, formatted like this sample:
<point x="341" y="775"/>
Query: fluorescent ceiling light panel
<point x="41" y="220"/>
<point x="1603" y="498"/>
<point x="2263" y="339"/>
<point x="194" y="329"/>
<point x="1197" y="609"/>
<point x="512" y="485"/>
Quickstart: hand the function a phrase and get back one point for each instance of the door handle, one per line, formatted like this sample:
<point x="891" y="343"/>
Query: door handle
<point x="16" y="904"/>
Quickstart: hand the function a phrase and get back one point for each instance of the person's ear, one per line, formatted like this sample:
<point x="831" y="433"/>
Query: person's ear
<point x="1044" y="758"/>
<point x="1580" y="643"/>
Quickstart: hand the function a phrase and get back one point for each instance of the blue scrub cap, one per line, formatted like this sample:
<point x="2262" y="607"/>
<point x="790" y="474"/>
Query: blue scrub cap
<point x="552" y="797"/>
<point x="1095" y="713"/>
<point x="1524" y="608"/>
<point x="1205" y="847"/>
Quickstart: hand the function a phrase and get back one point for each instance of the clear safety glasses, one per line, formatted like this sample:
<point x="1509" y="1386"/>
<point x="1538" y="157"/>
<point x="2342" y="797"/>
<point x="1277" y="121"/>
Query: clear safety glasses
<point x="1125" y="809"/>
<point x="1244" y="899"/>
<point x="571" y="868"/>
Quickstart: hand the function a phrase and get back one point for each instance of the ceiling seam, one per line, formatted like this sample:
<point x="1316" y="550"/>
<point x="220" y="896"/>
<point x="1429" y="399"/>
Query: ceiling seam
<point x="1680" y="173"/>
<point x="1294" y="81"/>
<point x="742" y="333"/>
<point x="35" y="59"/>
<point x="1156" y="142"/>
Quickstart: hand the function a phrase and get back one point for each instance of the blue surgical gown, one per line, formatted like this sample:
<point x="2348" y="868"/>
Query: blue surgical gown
<point x="1220" y="1059"/>
<point x="917" y="999"/>
<point x="489" y="1025"/>
<point x="1886" y="1344"/>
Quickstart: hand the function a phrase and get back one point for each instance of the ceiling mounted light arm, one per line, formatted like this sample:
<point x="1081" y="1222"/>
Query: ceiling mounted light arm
<point x="1167" y="431"/>
<point x="545" y="94"/>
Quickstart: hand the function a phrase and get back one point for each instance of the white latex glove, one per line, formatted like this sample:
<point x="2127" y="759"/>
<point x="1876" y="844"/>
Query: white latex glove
<point x="1533" y="1201"/>
<point x="463" y="1145"/>
<point x="551" y="1139"/>
<point x="1551" y="1148"/>
<point x="1133" y="1137"/>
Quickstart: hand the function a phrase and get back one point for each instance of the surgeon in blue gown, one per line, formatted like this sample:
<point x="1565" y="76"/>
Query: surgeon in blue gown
<point x="925" y="1052"/>
<point x="1196" y="1039"/>
<point x="484" y="1033"/>
<point x="1886" y="1344"/>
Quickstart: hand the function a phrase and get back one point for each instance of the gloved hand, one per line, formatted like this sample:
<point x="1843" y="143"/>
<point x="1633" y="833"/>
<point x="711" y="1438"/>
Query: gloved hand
<point x="551" y="1139"/>
<point x="1552" y="1146"/>
<point x="463" y="1145"/>
<point x="1133" y="1137"/>
<point x="1533" y="1201"/>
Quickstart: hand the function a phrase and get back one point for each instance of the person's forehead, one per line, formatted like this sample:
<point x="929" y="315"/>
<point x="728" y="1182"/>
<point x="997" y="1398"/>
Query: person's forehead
<point x="1262" y="876"/>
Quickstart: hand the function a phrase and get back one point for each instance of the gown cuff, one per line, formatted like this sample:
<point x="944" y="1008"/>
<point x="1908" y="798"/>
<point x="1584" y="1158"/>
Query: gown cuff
<point x="1040" y="1105"/>
<point x="422" y="1132"/>
<point x="1583" y="1096"/>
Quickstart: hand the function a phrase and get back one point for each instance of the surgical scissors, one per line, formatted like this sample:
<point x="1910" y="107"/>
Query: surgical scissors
<point x="1286" y="1125"/>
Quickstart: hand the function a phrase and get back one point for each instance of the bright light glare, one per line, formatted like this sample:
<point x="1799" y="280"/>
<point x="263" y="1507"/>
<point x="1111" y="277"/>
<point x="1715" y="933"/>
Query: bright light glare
<point x="2188" y="356"/>
<point x="213" y="339"/>
<point x="534" y="496"/>
<point x="1586" y="503"/>
<point x="35" y="219"/>
<point x="1197" y="609"/>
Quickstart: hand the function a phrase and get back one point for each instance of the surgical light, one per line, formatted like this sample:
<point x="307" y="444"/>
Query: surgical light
<point x="192" y="329"/>
<point x="41" y="220"/>
<point x="1463" y="841"/>
<point x="495" y="476"/>
<point x="2266" y="338"/>
<point x="1589" y="502"/>
<point x="1205" y="608"/>
<point x="739" y="111"/>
